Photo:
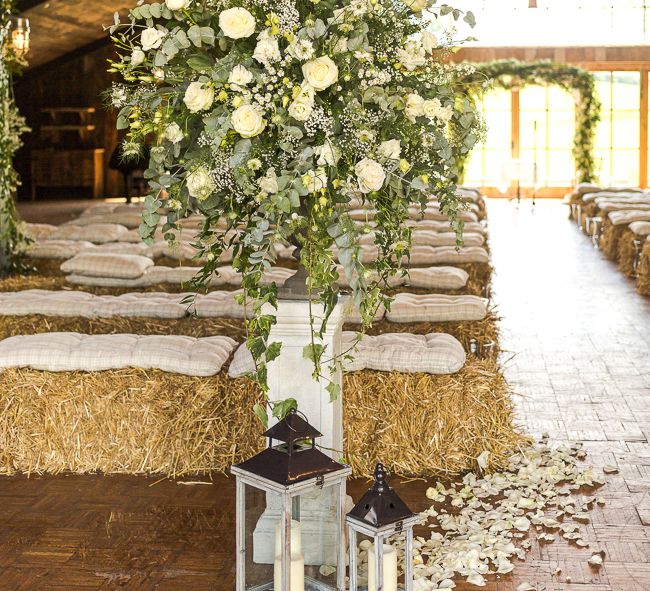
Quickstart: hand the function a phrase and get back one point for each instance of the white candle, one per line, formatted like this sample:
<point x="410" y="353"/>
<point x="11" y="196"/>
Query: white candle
<point x="297" y="567"/>
<point x="389" y="569"/>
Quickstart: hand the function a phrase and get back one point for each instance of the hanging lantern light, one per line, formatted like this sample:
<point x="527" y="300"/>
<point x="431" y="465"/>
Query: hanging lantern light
<point x="380" y="523"/>
<point x="19" y="36"/>
<point x="281" y="476"/>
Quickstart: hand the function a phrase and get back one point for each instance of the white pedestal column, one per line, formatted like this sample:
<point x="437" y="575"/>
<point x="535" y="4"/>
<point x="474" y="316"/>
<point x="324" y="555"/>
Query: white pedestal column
<point x="290" y="376"/>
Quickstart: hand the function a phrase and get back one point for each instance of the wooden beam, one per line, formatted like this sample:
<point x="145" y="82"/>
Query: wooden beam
<point x="643" y="139"/>
<point x="514" y="118"/>
<point x="23" y="5"/>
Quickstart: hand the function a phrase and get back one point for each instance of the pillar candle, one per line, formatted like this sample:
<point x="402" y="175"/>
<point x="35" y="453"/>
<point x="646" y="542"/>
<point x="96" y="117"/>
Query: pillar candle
<point x="297" y="561"/>
<point x="390" y="569"/>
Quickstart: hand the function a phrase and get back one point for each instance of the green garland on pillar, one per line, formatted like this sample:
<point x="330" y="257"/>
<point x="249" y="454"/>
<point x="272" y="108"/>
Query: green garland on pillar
<point x="509" y="74"/>
<point x="12" y="125"/>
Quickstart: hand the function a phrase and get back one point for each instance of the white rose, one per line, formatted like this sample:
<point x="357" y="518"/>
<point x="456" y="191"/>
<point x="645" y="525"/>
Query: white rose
<point x="429" y="41"/>
<point x="200" y="184"/>
<point x="177" y="4"/>
<point x="198" y="97"/>
<point x="137" y="57"/>
<point x="370" y="174"/>
<point x="267" y="49"/>
<point x="247" y="121"/>
<point x="391" y="149"/>
<point x="414" y="106"/>
<point x="173" y="133"/>
<point x="431" y="108"/>
<point x="303" y="105"/>
<point x="240" y="76"/>
<point x="301" y="49"/>
<point x="237" y="23"/>
<point x="269" y="182"/>
<point x="151" y="38"/>
<point x="327" y="154"/>
<point x="446" y="113"/>
<point x="321" y="73"/>
<point x="315" y="180"/>
<point x="417" y="5"/>
<point x="412" y="56"/>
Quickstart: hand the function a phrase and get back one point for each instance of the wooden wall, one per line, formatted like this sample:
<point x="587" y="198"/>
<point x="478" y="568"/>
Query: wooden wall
<point x="76" y="80"/>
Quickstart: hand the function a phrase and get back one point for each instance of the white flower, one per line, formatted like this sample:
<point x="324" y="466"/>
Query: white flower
<point x="417" y="5"/>
<point x="301" y="49"/>
<point x="341" y="45"/>
<point x="267" y="48"/>
<point x="177" y="4"/>
<point x="370" y="174"/>
<point x="237" y="23"/>
<point x="200" y="184"/>
<point x="151" y="38"/>
<point x="414" y="106"/>
<point x="315" y="180"/>
<point x="269" y="182"/>
<point x="391" y="150"/>
<point x="302" y="106"/>
<point x="254" y="164"/>
<point x="198" y="97"/>
<point x="327" y="154"/>
<point x="429" y="41"/>
<point x="159" y="74"/>
<point x="173" y="133"/>
<point x="412" y="56"/>
<point x="240" y="76"/>
<point x="247" y="121"/>
<point x="321" y="73"/>
<point x="137" y="57"/>
<point x="431" y="108"/>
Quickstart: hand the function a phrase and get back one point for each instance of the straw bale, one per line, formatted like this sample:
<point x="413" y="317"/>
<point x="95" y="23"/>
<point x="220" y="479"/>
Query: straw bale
<point x="627" y="253"/>
<point x="643" y="279"/>
<point x="609" y="239"/>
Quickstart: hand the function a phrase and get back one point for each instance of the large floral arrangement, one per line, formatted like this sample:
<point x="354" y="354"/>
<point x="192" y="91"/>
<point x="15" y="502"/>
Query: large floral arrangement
<point x="271" y="118"/>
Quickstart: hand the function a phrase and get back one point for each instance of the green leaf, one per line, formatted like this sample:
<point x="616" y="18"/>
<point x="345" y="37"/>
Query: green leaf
<point x="200" y="63"/>
<point x="273" y="351"/>
<point x="194" y="35"/>
<point x="282" y="407"/>
<point x="313" y="351"/>
<point x="260" y="413"/>
<point x="470" y="19"/>
<point x="334" y="390"/>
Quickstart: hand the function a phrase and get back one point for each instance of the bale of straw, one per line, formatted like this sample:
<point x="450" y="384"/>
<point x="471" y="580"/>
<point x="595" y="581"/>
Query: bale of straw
<point x="146" y="421"/>
<point x="424" y="425"/>
<point x="609" y="239"/>
<point x="643" y="279"/>
<point x="627" y="253"/>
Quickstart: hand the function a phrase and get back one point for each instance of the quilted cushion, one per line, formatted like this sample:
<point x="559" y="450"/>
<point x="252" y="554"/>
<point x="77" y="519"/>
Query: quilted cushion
<point x="618" y="218"/>
<point x="58" y="249"/>
<point x="39" y="231"/>
<point x="438" y="226"/>
<point x="97" y="233"/>
<point x="430" y="238"/>
<point x="408" y="307"/>
<point x="422" y="255"/>
<point x="640" y="228"/>
<point x="78" y="352"/>
<point x="437" y="278"/>
<point x="117" y="266"/>
<point x="128" y="219"/>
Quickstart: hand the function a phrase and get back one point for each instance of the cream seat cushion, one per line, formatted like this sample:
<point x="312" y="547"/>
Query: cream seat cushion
<point x="39" y="231"/>
<point x="117" y="266"/>
<point x="618" y="218"/>
<point x="408" y="307"/>
<point x="79" y="352"/>
<point x="640" y="228"/>
<point x="97" y="233"/>
<point x="58" y="249"/>
<point x="437" y="278"/>
<point x="430" y="255"/>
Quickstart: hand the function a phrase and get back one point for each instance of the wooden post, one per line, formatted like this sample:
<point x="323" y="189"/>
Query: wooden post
<point x="643" y="139"/>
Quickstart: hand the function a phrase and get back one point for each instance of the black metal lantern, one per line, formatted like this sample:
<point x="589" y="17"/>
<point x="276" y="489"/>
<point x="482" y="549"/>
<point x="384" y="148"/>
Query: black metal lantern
<point x="384" y="522"/>
<point x="277" y="479"/>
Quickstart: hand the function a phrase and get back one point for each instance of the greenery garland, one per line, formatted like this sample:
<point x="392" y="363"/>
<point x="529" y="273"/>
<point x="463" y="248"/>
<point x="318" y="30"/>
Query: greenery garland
<point x="509" y="74"/>
<point x="12" y="125"/>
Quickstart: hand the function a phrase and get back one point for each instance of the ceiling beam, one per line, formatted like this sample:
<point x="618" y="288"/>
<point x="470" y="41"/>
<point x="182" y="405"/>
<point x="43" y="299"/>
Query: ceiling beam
<point x="23" y="5"/>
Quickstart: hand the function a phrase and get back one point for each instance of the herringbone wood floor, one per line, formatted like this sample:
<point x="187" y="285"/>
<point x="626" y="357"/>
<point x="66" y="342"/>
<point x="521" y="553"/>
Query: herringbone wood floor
<point x="582" y="342"/>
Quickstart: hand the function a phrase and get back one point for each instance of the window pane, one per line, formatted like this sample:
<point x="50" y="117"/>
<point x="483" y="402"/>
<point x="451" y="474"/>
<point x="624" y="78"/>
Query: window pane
<point x="625" y="129"/>
<point x="626" y="90"/>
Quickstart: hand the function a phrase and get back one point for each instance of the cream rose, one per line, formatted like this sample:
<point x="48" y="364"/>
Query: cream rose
<point x="320" y="73"/>
<point x="414" y="106"/>
<point x="247" y="121"/>
<point x="417" y="5"/>
<point x="237" y="23"/>
<point x="198" y="97"/>
<point x="412" y="56"/>
<point x="137" y="57"/>
<point x="200" y="184"/>
<point x="391" y="150"/>
<point x="177" y="4"/>
<point x="240" y="76"/>
<point x="269" y="182"/>
<point x="173" y="133"/>
<point x="429" y="41"/>
<point x="267" y="48"/>
<point x="431" y="108"/>
<point x="301" y="109"/>
<point x="370" y="174"/>
<point x="151" y="38"/>
<point x="327" y="154"/>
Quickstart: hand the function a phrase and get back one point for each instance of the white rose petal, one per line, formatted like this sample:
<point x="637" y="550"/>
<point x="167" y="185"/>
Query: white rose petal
<point x="240" y="76"/>
<point x="137" y="57"/>
<point x="237" y="23"/>
<point x="267" y="48"/>
<point x="320" y="73"/>
<point x="390" y="149"/>
<point x="151" y="38"/>
<point x="429" y="41"/>
<point x="414" y="106"/>
<point x="173" y="133"/>
<point x="417" y="5"/>
<point x="327" y="154"/>
<point x="198" y="97"/>
<point x="247" y="121"/>
<point x="200" y="184"/>
<point x="177" y="4"/>
<point x="370" y="174"/>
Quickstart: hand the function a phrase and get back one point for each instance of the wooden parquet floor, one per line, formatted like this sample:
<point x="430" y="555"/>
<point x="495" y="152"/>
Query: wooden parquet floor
<point x="582" y="365"/>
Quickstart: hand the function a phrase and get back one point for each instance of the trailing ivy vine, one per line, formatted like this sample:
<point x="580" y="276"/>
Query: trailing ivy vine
<point x="12" y="125"/>
<point x="509" y="74"/>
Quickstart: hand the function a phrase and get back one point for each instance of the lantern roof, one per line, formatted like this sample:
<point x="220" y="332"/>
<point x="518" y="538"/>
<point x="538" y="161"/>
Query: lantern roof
<point x="296" y="459"/>
<point x="381" y="505"/>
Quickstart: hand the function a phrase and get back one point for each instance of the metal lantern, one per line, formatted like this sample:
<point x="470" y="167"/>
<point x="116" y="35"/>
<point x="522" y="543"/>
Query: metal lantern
<point x="290" y="505"/>
<point x="19" y="36"/>
<point x="381" y="523"/>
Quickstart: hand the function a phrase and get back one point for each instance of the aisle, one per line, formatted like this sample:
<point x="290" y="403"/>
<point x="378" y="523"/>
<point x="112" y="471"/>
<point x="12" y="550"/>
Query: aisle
<point x="582" y="340"/>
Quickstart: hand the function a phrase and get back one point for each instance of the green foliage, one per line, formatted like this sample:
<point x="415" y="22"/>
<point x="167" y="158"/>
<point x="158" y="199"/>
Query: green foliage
<point x="508" y="74"/>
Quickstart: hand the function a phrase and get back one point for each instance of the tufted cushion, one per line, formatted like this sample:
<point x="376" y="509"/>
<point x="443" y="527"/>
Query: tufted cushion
<point x="122" y="248"/>
<point x="640" y="228"/>
<point x="78" y="352"/>
<point x="40" y="231"/>
<point x="97" y="233"/>
<point x="128" y="219"/>
<point x="618" y="218"/>
<point x="437" y="278"/>
<point x="438" y="226"/>
<point x="422" y="255"/>
<point x="117" y="266"/>
<point x="408" y="307"/>
<point x="57" y="249"/>
<point x="428" y="238"/>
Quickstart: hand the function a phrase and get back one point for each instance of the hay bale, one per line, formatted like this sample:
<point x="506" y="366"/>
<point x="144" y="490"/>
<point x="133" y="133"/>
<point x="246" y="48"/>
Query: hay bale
<point x="610" y="238"/>
<point x="146" y="421"/>
<point x="643" y="279"/>
<point x="627" y="252"/>
<point x="424" y="425"/>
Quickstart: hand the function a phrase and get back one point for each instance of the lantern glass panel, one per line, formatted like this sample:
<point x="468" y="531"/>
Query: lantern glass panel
<point x="258" y="567"/>
<point x="390" y="561"/>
